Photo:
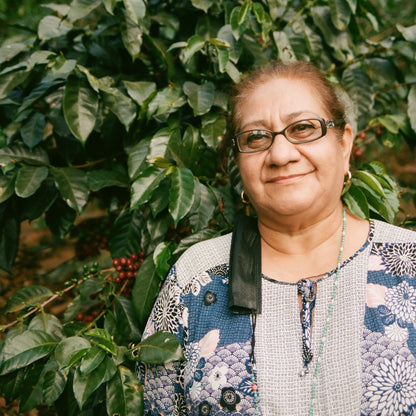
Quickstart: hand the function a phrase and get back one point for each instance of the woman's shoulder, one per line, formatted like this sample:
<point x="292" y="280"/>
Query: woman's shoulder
<point x="389" y="233"/>
<point x="204" y="256"/>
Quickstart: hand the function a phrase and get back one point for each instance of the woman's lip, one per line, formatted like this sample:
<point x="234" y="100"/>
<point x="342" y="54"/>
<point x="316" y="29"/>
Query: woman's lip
<point x="287" y="178"/>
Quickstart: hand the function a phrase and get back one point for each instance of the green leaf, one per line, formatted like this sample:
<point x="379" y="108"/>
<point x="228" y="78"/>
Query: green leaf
<point x="26" y="297"/>
<point x="161" y="257"/>
<point x="340" y="13"/>
<point x="126" y="232"/>
<point x="132" y="36"/>
<point x="126" y="319"/>
<point x="195" y="44"/>
<point x="73" y="186"/>
<point x="145" y="290"/>
<point x="70" y="350"/>
<point x="360" y="89"/>
<point x="32" y="395"/>
<point x="356" y="201"/>
<point x="54" y="382"/>
<point x="200" y="97"/>
<point x="20" y="153"/>
<point x="244" y="11"/>
<point x="110" y="5"/>
<point x="136" y="161"/>
<point x="81" y="8"/>
<point x="59" y="218"/>
<point x="161" y="347"/>
<point x="29" y="179"/>
<point x="203" y="213"/>
<point x="51" y="27"/>
<point x="91" y="360"/>
<point x="85" y="385"/>
<point x="370" y="180"/>
<point x="24" y="349"/>
<point x="143" y="186"/>
<point x="124" y="394"/>
<point x="236" y="29"/>
<point x="181" y="193"/>
<point x="102" y="339"/>
<point x="140" y="90"/>
<point x="213" y="129"/>
<point x="80" y="105"/>
<point x="7" y="186"/>
<point x="185" y="151"/>
<point x="286" y="52"/>
<point x="409" y="33"/>
<point x="47" y="323"/>
<point x="136" y="9"/>
<point x="122" y="106"/>
<point x="411" y="106"/>
<point x="33" y="130"/>
<point x="11" y="47"/>
<point x="10" y="80"/>
<point x="202" y="4"/>
<point x="165" y="102"/>
<point x="102" y="178"/>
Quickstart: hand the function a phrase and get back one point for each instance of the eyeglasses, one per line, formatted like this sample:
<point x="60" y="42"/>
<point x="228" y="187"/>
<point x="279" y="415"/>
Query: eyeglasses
<point x="301" y="131"/>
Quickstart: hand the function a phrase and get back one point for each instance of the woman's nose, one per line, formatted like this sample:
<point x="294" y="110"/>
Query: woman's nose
<point x="282" y="151"/>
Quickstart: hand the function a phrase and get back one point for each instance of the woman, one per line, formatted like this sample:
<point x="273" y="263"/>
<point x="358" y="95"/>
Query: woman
<point x="306" y="310"/>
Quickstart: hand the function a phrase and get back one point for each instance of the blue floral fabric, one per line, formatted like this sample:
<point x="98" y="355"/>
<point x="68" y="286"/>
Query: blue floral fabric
<point x="216" y="378"/>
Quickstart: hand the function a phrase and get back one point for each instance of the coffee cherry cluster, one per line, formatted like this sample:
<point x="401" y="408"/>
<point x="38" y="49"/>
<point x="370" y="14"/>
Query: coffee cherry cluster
<point x="127" y="267"/>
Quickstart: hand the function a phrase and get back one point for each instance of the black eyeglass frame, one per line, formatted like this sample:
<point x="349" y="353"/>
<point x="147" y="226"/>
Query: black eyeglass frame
<point x="325" y="125"/>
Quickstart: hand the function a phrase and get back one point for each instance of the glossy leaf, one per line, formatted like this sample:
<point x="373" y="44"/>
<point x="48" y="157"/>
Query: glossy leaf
<point x="161" y="257"/>
<point x="357" y="202"/>
<point x="7" y="186"/>
<point x="20" y="152"/>
<point x="47" y="323"/>
<point x="144" y="185"/>
<point x="340" y="13"/>
<point x="85" y="385"/>
<point x="286" y="53"/>
<point x="26" y="297"/>
<point x="29" y="179"/>
<point x="73" y="186"/>
<point x="91" y="360"/>
<point x="213" y="129"/>
<point x="70" y="350"/>
<point x="53" y="383"/>
<point x="132" y="36"/>
<point x="33" y="130"/>
<point x="81" y="8"/>
<point x="200" y="97"/>
<point x="32" y="395"/>
<point x="185" y="150"/>
<point x="24" y="349"/>
<point x="124" y="394"/>
<point x="161" y="347"/>
<point x="371" y="181"/>
<point x="121" y="105"/>
<point x="102" y="178"/>
<point x="136" y="9"/>
<point x="102" y="339"/>
<point x="53" y="27"/>
<point x="181" y="193"/>
<point x="136" y="162"/>
<point x="146" y="287"/>
<point x="140" y="90"/>
<point x="203" y="213"/>
<point x="126" y="319"/>
<point x="80" y="106"/>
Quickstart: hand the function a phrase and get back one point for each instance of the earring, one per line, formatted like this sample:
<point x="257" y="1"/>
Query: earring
<point x="347" y="178"/>
<point x="244" y="198"/>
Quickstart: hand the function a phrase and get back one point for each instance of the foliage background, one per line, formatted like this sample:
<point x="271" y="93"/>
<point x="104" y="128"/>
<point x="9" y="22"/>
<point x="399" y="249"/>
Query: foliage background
<point x="112" y="115"/>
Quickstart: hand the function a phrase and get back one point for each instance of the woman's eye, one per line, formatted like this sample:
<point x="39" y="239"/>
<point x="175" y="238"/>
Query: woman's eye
<point x="302" y="127"/>
<point x="256" y="136"/>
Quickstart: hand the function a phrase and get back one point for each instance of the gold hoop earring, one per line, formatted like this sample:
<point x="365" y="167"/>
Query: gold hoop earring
<point x="244" y="198"/>
<point x="347" y="178"/>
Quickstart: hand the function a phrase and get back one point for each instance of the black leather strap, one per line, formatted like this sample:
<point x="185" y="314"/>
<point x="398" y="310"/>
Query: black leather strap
<point x="244" y="290"/>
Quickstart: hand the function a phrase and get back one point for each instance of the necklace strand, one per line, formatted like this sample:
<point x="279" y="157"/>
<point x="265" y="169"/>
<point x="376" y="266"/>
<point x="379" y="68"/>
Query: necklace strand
<point x="254" y="386"/>
<point x="328" y="317"/>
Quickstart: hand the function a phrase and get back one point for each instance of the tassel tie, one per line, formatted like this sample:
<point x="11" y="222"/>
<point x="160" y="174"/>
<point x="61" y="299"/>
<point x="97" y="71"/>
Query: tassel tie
<point x="306" y="289"/>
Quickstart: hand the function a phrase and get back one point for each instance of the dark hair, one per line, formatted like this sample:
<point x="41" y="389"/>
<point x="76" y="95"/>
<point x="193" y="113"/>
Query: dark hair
<point x="292" y="70"/>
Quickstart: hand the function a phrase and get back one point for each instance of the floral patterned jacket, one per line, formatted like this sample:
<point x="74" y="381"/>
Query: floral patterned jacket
<point x="216" y="378"/>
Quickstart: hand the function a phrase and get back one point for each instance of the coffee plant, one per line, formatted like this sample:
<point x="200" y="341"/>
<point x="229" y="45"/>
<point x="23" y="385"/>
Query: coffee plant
<point x="123" y="103"/>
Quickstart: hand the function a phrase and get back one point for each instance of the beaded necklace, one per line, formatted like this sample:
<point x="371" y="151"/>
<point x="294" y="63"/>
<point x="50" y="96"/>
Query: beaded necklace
<point x="254" y="386"/>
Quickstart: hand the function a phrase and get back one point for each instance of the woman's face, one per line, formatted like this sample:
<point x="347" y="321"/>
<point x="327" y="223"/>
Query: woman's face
<point x="291" y="179"/>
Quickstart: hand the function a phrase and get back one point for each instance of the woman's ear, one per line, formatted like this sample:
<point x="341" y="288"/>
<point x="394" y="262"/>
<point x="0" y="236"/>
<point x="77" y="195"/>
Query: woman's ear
<point x="347" y="143"/>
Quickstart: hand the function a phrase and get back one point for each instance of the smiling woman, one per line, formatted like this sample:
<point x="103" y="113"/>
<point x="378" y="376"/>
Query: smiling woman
<point x="305" y="309"/>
